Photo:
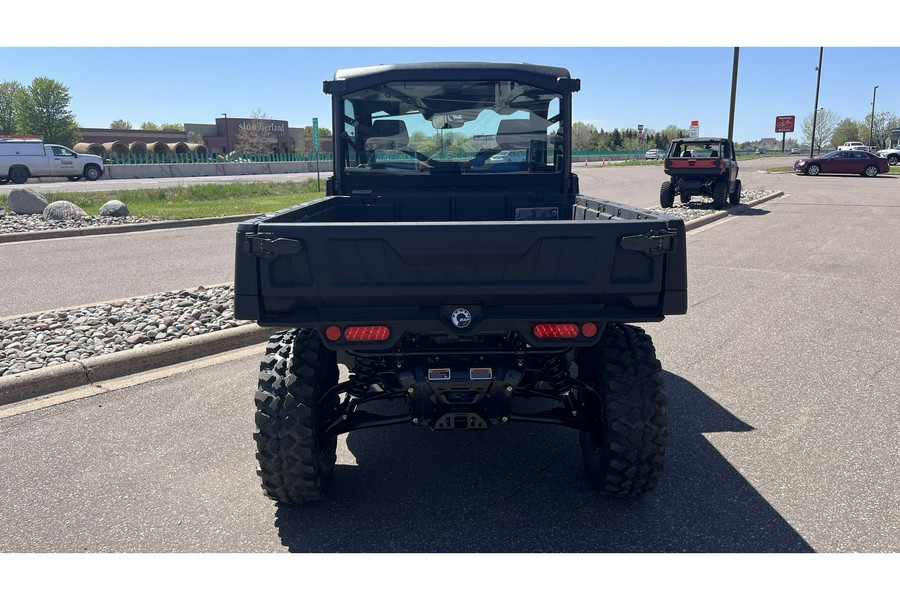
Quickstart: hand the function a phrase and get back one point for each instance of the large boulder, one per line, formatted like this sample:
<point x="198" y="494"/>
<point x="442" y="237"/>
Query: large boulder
<point x="24" y="201"/>
<point x="63" y="210"/>
<point x="113" y="208"/>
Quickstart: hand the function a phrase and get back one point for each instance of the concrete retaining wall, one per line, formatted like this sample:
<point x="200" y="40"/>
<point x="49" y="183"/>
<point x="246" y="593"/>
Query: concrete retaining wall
<point x="208" y="169"/>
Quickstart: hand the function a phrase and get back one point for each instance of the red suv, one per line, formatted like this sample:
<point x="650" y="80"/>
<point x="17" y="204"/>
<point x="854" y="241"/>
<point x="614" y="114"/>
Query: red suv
<point x="701" y="167"/>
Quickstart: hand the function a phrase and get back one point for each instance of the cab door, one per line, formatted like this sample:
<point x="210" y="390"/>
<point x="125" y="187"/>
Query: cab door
<point x="728" y="150"/>
<point x="62" y="162"/>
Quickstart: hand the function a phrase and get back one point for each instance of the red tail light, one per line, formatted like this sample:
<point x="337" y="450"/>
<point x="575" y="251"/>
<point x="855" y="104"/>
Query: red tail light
<point x="367" y="333"/>
<point x="555" y="330"/>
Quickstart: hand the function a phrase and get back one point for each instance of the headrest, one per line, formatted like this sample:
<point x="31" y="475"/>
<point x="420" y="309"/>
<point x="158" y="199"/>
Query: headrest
<point x="388" y="134"/>
<point x="518" y="133"/>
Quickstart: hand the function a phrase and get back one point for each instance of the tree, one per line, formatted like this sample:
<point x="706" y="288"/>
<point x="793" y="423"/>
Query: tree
<point x="149" y="126"/>
<point x="826" y="123"/>
<point x="615" y="140"/>
<point x="847" y="131"/>
<point x="429" y="146"/>
<point x="307" y="145"/>
<point x="120" y="124"/>
<point x="254" y="136"/>
<point x="9" y="94"/>
<point x="173" y="126"/>
<point x="584" y="136"/>
<point x="43" y="109"/>
<point x="881" y="131"/>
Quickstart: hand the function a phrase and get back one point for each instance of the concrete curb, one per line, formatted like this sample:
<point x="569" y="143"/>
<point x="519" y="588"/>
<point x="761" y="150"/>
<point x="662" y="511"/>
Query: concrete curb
<point x="108" y="229"/>
<point x="732" y="210"/>
<point x="49" y="380"/>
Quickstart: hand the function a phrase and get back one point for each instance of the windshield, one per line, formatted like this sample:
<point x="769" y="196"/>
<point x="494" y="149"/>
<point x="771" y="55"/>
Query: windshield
<point x="699" y="149"/>
<point x="471" y="127"/>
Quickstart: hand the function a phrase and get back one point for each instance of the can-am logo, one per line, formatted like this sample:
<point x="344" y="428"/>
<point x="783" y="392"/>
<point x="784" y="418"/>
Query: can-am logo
<point x="461" y="318"/>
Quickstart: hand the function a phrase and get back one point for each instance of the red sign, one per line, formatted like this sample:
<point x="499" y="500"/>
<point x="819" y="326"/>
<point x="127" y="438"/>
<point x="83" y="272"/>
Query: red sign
<point x="784" y="124"/>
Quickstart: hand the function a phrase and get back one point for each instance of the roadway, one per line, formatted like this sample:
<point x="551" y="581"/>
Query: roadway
<point x="782" y="382"/>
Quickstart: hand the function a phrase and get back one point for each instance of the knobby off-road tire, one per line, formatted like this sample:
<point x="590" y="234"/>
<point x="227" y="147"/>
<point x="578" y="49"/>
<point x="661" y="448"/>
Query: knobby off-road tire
<point x="720" y="192"/>
<point x="624" y="455"/>
<point x="295" y="459"/>
<point x="666" y="194"/>
<point x="685" y="198"/>
<point x="735" y="196"/>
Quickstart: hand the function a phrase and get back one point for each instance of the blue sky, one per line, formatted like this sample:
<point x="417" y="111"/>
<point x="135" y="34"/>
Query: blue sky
<point x="623" y="84"/>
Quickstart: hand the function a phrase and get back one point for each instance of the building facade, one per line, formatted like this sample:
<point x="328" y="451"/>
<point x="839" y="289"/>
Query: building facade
<point x="221" y="137"/>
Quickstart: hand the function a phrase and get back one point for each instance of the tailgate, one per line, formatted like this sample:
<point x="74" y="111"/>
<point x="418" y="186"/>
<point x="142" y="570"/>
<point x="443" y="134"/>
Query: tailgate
<point x="293" y="273"/>
<point x="693" y="166"/>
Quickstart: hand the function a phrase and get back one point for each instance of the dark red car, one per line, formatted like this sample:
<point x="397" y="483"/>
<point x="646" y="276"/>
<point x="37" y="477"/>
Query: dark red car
<point x="848" y="162"/>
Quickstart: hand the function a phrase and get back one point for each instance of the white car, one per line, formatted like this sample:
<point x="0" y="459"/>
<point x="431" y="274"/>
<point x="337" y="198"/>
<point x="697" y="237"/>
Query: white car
<point x="853" y="146"/>
<point x="891" y="154"/>
<point x="653" y="154"/>
<point x="509" y="156"/>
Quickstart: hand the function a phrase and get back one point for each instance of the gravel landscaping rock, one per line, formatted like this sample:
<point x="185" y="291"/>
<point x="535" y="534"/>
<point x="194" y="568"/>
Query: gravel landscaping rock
<point x="13" y="223"/>
<point x="54" y="337"/>
<point x="113" y="208"/>
<point x="24" y="201"/>
<point x="703" y="206"/>
<point x="63" y="210"/>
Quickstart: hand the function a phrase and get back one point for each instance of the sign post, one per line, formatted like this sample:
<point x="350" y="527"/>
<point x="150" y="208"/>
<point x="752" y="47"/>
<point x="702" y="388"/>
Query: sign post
<point x="315" y="128"/>
<point x="784" y="125"/>
<point x="695" y="129"/>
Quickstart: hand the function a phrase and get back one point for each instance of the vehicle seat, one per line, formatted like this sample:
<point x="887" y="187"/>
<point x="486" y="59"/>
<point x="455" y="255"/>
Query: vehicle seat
<point x="687" y="154"/>
<point x="388" y="134"/>
<point x="714" y="154"/>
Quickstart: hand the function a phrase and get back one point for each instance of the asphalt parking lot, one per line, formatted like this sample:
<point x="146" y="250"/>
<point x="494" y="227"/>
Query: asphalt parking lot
<point x="782" y="382"/>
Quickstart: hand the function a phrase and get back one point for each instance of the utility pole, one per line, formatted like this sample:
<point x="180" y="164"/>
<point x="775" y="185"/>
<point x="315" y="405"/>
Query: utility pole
<point x="734" y="72"/>
<point x="812" y="143"/>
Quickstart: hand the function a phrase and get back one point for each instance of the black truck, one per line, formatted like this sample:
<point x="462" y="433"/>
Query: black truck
<point x="458" y="273"/>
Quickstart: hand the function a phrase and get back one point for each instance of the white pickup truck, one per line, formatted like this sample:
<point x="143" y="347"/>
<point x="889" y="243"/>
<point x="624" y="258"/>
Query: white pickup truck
<point x="22" y="157"/>
<point x="853" y="146"/>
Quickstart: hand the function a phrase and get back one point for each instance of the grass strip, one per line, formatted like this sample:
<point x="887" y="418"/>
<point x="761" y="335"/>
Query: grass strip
<point x="197" y="201"/>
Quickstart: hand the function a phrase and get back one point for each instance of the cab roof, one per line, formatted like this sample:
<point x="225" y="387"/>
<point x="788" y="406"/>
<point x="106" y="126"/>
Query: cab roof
<point x="544" y="76"/>
<point x="700" y="140"/>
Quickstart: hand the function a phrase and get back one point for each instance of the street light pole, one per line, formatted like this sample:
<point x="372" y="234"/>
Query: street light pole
<point x="226" y="131"/>
<point x="872" y="122"/>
